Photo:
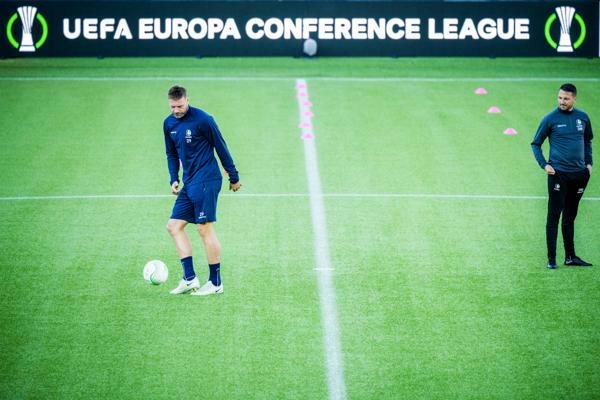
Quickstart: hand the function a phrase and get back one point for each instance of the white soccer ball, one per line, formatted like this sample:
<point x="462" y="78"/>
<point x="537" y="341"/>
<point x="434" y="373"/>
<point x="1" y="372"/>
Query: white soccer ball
<point x="309" y="47"/>
<point x="156" y="272"/>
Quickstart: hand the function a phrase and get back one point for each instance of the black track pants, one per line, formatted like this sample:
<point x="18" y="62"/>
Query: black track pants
<point x="565" y="190"/>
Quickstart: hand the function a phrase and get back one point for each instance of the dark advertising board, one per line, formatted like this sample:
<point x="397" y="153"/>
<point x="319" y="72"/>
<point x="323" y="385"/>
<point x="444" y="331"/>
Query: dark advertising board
<point x="274" y="28"/>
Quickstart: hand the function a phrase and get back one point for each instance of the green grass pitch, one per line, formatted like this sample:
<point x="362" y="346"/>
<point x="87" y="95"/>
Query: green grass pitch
<point x="437" y="297"/>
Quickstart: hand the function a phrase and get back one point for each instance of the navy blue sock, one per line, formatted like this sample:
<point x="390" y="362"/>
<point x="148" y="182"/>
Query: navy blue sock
<point x="215" y="274"/>
<point x="188" y="268"/>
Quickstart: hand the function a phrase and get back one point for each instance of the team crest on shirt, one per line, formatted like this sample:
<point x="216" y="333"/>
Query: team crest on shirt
<point x="557" y="187"/>
<point x="188" y="136"/>
<point x="579" y="124"/>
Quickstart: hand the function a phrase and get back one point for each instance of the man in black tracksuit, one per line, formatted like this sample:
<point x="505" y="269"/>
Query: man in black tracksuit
<point x="569" y="167"/>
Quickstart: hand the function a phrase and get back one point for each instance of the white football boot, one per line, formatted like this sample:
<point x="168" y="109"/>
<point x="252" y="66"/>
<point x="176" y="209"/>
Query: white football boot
<point x="185" y="286"/>
<point x="208" y="288"/>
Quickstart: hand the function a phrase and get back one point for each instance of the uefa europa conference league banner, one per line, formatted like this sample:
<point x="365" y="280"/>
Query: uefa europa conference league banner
<point x="275" y="28"/>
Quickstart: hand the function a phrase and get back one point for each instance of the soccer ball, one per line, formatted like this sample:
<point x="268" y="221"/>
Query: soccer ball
<point x="156" y="272"/>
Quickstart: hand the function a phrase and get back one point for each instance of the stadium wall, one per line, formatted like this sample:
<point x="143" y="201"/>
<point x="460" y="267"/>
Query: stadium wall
<point x="281" y="28"/>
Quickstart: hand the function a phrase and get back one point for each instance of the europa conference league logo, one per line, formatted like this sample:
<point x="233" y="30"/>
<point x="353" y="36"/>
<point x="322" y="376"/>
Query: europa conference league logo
<point x="565" y="17"/>
<point x="28" y="15"/>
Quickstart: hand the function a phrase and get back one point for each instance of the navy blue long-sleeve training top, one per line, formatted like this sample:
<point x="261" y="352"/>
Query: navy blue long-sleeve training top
<point x="570" y="135"/>
<point x="193" y="139"/>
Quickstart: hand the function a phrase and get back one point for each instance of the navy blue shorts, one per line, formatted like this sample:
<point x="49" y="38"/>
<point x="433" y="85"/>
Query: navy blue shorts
<point x="197" y="202"/>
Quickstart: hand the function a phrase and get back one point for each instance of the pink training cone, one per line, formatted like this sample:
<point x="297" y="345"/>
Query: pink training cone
<point x="510" y="131"/>
<point x="308" y="135"/>
<point x="307" y="104"/>
<point x="494" y="110"/>
<point x="480" y="91"/>
<point x="302" y="94"/>
<point x="305" y="125"/>
<point x="301" y="86"/>
<point x="308" y="114"/>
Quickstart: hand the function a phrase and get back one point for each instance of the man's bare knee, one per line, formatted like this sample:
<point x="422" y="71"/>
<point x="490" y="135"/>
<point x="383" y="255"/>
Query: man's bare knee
<point x="175" y="226"/>
<point x="205" y="229"/>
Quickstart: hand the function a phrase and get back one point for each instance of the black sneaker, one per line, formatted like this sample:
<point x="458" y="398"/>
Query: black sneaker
<point x="551" y="264"/>
<point x="576" y="261"/>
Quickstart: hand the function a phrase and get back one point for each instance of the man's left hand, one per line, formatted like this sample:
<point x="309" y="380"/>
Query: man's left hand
<point x="235" y="186"/>
<point x="589" y="167"/>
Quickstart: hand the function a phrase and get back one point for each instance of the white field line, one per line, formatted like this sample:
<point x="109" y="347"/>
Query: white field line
<point x="331" y="333"/>
<point x="317" y="78"/>
<point x="291" y="195"/>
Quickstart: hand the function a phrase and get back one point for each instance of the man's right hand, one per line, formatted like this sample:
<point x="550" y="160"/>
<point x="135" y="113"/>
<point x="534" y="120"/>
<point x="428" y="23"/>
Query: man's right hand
<point x="235" y="186"/>
<point x="175" y="188"/>
<point x="549" y="170"/>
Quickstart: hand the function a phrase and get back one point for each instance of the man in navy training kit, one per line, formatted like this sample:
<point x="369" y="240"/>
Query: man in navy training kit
<point x="569" y="167"/>
<point x="192" y="136"/>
